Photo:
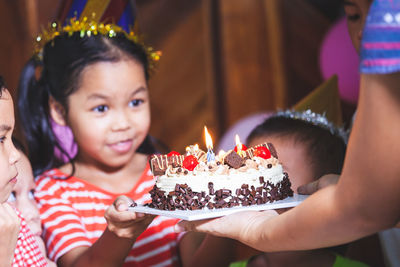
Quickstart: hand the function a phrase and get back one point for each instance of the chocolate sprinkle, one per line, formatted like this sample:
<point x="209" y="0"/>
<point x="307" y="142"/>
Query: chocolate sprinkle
<point x="183" y="198"/>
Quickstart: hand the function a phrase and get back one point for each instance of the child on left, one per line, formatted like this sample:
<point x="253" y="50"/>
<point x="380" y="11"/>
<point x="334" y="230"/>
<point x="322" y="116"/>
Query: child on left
<point x="22" y="198"/>
<point x="18" y="247"/>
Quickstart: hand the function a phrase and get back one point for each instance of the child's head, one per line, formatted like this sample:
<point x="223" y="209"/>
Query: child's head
<point x="96" y="85"/>
<point x="22" y="196"/>
<point x="306" y="151"/>
<point x="356" y="14"/>
<point x="9" y="155"/>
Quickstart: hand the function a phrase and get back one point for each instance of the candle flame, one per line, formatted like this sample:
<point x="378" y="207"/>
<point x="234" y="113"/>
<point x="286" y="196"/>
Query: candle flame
<point x="238" y="144"/>
<point x="209" y="142"/>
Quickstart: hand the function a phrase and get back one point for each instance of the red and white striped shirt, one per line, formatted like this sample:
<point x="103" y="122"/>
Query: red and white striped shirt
<point x="72" y="213"/>
<point x="27" y="252"/>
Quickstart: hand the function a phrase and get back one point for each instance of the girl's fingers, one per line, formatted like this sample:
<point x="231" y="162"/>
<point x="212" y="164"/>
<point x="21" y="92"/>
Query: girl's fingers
<point x="122" y="203"/>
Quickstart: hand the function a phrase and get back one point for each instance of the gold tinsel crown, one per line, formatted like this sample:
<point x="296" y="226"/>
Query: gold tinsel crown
<point x="87" y="27"/>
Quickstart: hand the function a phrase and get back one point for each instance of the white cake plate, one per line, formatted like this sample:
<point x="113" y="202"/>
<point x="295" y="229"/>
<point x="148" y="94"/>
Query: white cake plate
<point x="194" y="215"/>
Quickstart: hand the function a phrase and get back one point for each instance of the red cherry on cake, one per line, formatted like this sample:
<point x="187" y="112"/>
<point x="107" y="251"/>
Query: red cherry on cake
<point x="244" y="148"/>
<point x="262" y="152"/>
<point x="173" y="153"/>
<point x="190" y="162"/>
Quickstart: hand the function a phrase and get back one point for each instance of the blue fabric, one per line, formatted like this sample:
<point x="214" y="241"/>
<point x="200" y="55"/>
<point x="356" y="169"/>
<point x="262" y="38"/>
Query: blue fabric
<point x="127" y="19"/>
<point x="75" y="10"/>
<point x="380" y="46"/>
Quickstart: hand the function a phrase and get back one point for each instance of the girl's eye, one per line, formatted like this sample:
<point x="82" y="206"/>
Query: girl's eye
<point x="31" y="194"/>
<point x="2" y="139"/>
<point x="101" y="108"/>
<point x="12" y="197"/>
<point x="136" y="102"/>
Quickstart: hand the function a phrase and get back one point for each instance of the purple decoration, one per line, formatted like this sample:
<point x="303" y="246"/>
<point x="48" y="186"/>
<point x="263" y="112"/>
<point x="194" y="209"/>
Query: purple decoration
<point x="66" y="140"/>
<point x="338" y="56"/>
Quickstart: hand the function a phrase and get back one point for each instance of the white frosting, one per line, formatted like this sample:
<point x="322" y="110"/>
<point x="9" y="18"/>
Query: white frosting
<point x="223" y="177"/>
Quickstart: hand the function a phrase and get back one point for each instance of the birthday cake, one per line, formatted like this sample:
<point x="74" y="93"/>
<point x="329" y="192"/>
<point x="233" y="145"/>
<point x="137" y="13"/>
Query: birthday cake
<point x="195" y="180"/>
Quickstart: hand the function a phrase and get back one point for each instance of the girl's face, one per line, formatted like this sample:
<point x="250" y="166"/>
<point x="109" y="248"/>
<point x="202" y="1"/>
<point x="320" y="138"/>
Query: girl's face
<point x="22" y="197"/>
<point x="356" y="13"/>
<point x="109" y="114"/>
<point x="9" y="155"/>
<point x="293" y="157"/>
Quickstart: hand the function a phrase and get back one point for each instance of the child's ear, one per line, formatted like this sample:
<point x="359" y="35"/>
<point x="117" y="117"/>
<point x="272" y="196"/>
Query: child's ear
<point x="57" y="112"/>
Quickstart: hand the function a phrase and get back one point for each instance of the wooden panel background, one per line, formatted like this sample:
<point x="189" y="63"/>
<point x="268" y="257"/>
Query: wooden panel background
<point x="222" y="59"/>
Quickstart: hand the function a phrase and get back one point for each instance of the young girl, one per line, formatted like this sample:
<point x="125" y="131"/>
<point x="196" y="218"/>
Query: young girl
<point x="18" y="247"/>
<point x="22" y="198"/>
<point x="94" y="79"/>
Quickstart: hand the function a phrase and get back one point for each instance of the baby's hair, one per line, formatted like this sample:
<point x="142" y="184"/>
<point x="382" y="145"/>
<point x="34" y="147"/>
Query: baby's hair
<point x="326" y="150"/>
<point x="64" y="59"/>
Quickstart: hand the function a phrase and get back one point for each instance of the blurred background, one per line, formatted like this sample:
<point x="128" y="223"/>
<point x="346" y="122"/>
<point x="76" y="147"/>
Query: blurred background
<point x="222" y="60"/>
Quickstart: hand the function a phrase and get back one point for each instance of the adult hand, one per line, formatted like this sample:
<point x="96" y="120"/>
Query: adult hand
<point x="9" y="230"/>
<point x="324" y="181"/>
<point x="238" y="225"/>
<point x="125" y="223"/>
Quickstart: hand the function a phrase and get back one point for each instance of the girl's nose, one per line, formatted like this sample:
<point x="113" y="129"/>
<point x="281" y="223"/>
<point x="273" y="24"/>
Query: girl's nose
<point x="121" y="121"/>
<point x="14" y="155"/>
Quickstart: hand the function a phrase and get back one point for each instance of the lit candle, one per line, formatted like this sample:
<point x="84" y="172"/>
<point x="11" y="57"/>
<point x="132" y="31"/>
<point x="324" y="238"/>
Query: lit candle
<point x="209" y="144"/>
<point x="239" y="146"/>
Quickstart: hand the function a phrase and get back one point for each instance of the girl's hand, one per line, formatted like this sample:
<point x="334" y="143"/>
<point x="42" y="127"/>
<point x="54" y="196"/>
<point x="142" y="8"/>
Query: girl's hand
<point x="124" y="223"/>
<point x="9" y="230"/>
<point x="324" y="181"/>
<point x="240" y="226"/>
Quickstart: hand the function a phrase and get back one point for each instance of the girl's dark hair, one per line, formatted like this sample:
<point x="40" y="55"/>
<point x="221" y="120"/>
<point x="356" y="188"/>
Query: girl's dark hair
<point x="326" y="150"/>
<point x="18" y="144"/>
<point x="2" y="85"/>
<point x="64" y="59"/>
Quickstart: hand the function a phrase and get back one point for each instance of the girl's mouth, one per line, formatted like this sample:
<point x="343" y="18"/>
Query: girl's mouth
<point x="14" y="179"/>
<point x="122" y="146"/>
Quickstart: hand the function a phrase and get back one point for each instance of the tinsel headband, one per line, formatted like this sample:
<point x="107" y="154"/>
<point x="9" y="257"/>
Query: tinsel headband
<point x="315" y="119"/>
<point x="86" y="28"/>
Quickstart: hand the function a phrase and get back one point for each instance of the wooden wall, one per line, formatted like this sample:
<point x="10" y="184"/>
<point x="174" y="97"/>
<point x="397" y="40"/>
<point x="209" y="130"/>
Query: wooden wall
<point x="222" y="59"/>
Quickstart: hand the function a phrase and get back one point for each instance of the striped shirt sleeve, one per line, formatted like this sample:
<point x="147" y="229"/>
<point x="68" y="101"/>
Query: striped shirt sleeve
<point x="380" y="45"/>
<point x="63" y="228"/>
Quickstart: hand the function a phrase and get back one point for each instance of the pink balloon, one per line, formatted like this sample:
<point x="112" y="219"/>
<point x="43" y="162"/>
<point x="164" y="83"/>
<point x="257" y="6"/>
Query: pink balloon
<point x="338" y="56"/>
